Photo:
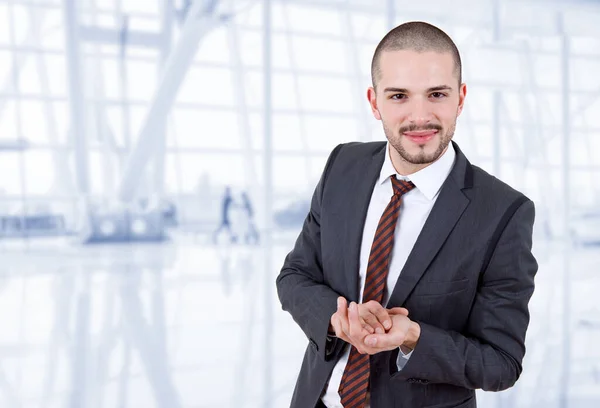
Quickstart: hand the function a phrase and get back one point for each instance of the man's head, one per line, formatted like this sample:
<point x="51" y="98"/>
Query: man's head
<point x="417" y="92"/>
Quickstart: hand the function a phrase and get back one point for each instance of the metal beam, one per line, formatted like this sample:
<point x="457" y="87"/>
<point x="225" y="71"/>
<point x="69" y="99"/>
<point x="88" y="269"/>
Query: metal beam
<point x="123" y="96"/>
<point x="14" y="72"/>
<point x="167" y="23"/>
<point x="75" y="96"/>
<point x="200" y="20"/>
<point x="244" y="127"/>
<point x="18" y="118"/>
<point x="100" y="128"/>
<point x="297" y="93"/>
<point x="497" y="100"/>
<point x="63" y="180"/>
<point x="565" y="197"/>
<point x="267" y="243"/>
<point x="18" y="144"/>
<point x="353" y="58"/>
<point x="100" y="35"/>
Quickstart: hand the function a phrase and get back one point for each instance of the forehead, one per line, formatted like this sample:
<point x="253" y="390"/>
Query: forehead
<point x="408" y="67"/>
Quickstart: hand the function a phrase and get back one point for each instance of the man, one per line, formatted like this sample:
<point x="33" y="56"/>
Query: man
<point x="413" y="272"/>
<point x="226" y="217"/>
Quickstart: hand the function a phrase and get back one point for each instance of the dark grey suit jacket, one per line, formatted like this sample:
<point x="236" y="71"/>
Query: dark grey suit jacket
<point x="467" y="282"/>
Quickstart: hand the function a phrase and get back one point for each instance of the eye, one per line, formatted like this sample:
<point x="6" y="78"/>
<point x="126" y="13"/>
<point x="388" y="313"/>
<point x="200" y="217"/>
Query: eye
<point x="438" y="95"/>
<point x="398" y="96"/>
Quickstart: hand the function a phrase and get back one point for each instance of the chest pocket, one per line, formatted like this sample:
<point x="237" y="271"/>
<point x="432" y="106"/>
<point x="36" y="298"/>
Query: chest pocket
<point x="438" y="303"/>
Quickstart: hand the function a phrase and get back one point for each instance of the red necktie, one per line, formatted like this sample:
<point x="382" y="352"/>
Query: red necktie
<point x="355" y="380"/>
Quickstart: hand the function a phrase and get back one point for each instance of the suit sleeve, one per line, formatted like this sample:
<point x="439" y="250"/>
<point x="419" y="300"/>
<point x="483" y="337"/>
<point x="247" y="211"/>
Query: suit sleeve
<point x="489" y="354"/>
<point x="300" y="284"/>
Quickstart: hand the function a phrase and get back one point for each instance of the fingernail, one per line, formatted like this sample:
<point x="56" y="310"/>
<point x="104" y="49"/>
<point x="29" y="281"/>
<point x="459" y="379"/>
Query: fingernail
<point x="372" y="341"/>
<point x="379" y="330"/>
<point x="387" y="324"/>
<point x="352" y="306"/>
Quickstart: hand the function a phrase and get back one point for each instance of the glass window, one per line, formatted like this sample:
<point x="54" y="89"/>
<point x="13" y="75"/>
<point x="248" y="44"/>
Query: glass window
<point x="4" y="26"/>
<point x="10" y="168"/>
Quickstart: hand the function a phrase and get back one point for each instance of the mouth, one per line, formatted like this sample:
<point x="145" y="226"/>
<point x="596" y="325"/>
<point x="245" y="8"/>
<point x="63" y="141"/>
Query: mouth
<point x="420" y="136"/>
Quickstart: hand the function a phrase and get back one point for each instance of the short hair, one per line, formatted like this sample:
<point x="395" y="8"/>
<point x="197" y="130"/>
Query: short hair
<point x="417" y="36"/>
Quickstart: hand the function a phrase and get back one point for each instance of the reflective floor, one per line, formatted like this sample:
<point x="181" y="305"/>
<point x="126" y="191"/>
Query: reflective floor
<point x="191" y="324"/>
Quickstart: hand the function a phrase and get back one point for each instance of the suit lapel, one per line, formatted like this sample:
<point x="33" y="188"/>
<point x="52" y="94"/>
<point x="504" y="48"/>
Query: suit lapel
<point x="363" y="175"/>
<point x="447" y="210"/>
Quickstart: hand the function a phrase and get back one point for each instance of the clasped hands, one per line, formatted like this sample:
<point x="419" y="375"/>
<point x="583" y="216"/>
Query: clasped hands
<point x="371" y="328"/>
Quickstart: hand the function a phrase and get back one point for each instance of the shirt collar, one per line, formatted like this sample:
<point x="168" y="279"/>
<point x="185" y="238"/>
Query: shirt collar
<point x="428" y="180"/>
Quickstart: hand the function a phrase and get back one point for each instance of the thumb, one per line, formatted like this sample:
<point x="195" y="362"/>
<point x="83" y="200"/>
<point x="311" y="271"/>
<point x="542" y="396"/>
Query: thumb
<point x="341" y="302"/>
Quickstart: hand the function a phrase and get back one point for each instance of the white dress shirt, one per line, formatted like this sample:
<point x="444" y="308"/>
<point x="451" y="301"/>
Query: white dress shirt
<point x="416" y="206"/>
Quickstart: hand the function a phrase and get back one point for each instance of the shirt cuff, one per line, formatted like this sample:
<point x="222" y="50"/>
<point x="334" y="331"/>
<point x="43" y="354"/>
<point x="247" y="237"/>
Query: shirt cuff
<point x="402" y="358"/>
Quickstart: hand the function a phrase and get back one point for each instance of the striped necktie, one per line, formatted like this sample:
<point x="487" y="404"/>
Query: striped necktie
<point x="355" y="380"/>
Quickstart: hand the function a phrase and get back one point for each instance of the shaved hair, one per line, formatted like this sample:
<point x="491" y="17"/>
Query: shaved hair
<point x="416" y="36"/>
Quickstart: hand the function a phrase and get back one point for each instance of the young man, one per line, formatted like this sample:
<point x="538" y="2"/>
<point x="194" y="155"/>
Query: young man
<point x="413" y="272"/>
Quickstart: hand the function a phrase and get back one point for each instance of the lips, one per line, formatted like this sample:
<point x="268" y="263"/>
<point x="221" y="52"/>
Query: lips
<point x="420" y="136"/>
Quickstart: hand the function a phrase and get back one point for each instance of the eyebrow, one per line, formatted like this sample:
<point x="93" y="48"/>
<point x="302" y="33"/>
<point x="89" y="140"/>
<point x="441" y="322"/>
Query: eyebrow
<point x="433" y="89"/>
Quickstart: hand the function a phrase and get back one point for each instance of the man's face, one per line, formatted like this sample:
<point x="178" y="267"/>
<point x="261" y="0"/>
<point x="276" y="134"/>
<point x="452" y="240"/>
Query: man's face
<point x="418" y="100"/>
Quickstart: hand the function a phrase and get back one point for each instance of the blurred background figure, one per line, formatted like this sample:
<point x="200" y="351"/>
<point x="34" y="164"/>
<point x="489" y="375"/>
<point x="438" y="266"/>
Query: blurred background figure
<point x="226" y="213"/>
<point x="250" y="231"/>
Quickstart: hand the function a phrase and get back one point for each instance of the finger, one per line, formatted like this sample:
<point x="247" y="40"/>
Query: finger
<point x="341" y="303"/>
<point x="372" y="322"/>
<point x="343" y="314"/>
<point x="337" y="326"/>
<point x="335" y="323"/>
<point x="355" y="327"/>
<point x="393" y="338"/>
<point x="398" y="310"/>
<point x="367" y="326"/>
<point x="381" y="314"/>
<point x="388" y="341"/>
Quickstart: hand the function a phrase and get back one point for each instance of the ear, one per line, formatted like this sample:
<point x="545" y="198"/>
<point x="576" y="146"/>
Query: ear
<point x="462" y="94"/>
<point x="372" y="97"/>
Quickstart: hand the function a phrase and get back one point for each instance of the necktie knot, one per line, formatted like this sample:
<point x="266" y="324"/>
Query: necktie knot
<point x="401" y="187"/>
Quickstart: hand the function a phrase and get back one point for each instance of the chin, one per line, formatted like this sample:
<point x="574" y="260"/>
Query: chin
<point x="428" y="148"/>
<point x="421" y="153"/>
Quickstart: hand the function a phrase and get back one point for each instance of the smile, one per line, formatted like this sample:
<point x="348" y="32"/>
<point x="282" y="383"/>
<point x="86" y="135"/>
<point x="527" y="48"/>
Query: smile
<point x="421" y="136"/>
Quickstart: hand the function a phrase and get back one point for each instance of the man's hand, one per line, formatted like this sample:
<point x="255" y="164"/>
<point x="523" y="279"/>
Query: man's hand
<point x="404" y="333"/>
<point x="352" y="324"/>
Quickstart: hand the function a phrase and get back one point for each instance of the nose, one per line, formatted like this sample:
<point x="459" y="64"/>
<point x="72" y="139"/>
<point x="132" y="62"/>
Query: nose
<point x="420" y="112"/>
